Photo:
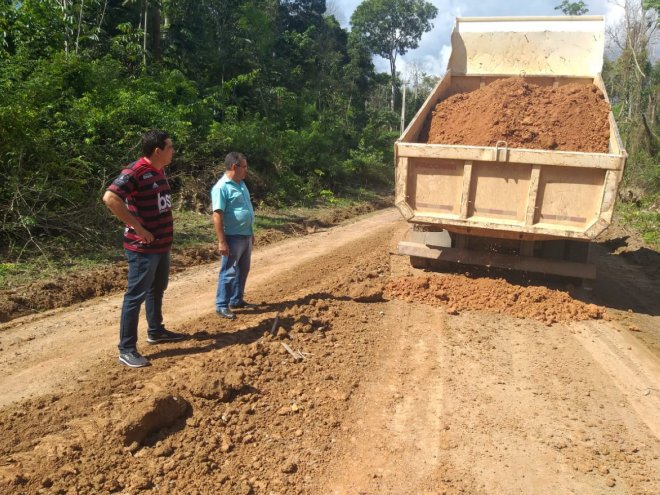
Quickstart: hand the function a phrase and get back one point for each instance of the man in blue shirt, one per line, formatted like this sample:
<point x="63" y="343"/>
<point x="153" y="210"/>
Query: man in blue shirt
<point x="233" y="219"/>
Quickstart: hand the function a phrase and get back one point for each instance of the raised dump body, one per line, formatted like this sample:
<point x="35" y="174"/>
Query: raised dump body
<point x="494" y="205"/>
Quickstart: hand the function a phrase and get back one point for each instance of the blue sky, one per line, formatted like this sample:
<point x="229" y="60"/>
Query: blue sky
<point x="434" y="48"/>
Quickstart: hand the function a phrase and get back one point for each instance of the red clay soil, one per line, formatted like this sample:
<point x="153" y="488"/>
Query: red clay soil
<point x="198" y="428"/>
<point x="386" y="397"/>
<point x="458" y="293"/>
<point x="573" y="117"/>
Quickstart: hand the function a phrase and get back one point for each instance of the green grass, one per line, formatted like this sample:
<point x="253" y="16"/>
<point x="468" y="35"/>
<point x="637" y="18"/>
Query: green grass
<point x="45" y="266"/>
<point x="267" y="221"/>
<point x="20" y="273"/>
<point x="644" y="218"/>
<point x="192" y="229"/>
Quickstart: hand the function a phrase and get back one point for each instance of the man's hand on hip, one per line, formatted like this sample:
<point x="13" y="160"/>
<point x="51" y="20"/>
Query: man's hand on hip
<point x="145" y="236"/>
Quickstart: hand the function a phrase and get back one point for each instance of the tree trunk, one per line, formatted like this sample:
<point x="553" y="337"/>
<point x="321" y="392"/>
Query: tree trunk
<point x="66" y="29"/>
<point x="403" y="109"/>
<point x="144" y="35"/>
<point x="156" y="35"/>
<point x="82" y="4"/>
<point x="393" y="73"/>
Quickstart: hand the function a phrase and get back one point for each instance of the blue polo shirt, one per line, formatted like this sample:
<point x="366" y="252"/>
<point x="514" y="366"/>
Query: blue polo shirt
<point x="234" y="202"/>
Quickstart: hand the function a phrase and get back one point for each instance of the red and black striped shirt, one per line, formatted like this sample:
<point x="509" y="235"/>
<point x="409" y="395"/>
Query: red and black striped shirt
<point x="148" y="197"/>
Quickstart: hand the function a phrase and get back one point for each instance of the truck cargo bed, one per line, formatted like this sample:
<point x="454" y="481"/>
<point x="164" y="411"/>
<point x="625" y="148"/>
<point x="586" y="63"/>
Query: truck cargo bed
<point x="523" y="193"/>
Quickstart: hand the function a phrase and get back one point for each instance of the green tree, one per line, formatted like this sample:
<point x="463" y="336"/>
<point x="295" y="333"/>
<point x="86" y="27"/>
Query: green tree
<point x="652" y="4"/>
<point x="652" y="8"/>
<point x="633" y="83"/>
<point x="392" y="27"/>
<point x="278" y="79"/>
<point x="573" y="8"/>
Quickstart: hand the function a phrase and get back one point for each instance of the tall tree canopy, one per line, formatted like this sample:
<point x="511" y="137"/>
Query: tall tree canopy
<point x="573" y="8"/>
<point x="392" y="27"/>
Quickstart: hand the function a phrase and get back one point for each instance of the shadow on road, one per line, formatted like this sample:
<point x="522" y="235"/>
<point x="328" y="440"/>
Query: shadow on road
<point x="209" y="340"/>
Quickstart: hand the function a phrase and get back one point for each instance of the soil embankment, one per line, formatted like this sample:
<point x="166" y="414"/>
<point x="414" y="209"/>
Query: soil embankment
<point x="78" y="286"/>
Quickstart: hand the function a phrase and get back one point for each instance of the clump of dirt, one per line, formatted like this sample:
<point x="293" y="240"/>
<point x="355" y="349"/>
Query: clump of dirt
<point x="147" y="417"/>
<point x="459" y="293"/>
<point x="573" y="117"/>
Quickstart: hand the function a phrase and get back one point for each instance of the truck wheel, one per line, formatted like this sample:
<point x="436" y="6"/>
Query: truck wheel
<point x="419" y="262"/>
<point x="577" y="251"/>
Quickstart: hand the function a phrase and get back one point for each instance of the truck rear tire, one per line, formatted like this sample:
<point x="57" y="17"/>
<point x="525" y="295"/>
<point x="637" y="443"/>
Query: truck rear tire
<point x="419" y="262"/>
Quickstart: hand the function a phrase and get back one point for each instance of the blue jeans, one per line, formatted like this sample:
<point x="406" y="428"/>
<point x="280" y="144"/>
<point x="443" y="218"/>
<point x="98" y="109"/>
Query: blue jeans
<point x="148" y="275"/>
<point x="234" y="270"/>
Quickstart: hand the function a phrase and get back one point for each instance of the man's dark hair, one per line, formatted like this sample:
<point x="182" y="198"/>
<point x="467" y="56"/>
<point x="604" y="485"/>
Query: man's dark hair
<point x="153" y="139"/>
<point x="233" y="158"/>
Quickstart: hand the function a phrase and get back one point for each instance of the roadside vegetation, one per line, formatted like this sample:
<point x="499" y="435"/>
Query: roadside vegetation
<point x="195" y="238"/>
<point x="639" y="204"/>
<point x="633" y="84"/>
<point x="280" y="81"/>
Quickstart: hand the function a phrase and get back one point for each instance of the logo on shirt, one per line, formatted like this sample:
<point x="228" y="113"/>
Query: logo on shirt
<point x="148" y="175"/>
<point x="164" y="203"/>
<point x="122" y="180"/>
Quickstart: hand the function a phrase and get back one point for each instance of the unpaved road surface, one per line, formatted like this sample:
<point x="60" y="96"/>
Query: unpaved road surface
<point x="391" y="394"/>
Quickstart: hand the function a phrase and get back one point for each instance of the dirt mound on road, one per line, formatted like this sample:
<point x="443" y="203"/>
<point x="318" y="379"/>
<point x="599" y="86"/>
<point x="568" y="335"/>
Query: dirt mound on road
<point x="229" y="410"/>
<point x="459" y="293"/>
<point x="573" y="117"/>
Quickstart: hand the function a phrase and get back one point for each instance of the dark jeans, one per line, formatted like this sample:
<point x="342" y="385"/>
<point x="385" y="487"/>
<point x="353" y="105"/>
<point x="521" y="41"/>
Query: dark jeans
<point x="147" y="280"/>
<point x="234" y="271"/>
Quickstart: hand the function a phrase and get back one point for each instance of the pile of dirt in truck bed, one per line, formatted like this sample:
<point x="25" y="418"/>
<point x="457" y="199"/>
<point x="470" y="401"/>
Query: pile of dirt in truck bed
<point x="573" y="117"/>
<point x="458" y="293"/>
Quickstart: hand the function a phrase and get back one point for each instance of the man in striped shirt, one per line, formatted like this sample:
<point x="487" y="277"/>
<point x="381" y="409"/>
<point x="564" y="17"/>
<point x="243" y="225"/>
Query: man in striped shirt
<point x="141" y="198"/>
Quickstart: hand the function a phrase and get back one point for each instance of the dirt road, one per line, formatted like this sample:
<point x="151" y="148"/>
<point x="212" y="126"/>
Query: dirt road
<point x="390" y="395"/>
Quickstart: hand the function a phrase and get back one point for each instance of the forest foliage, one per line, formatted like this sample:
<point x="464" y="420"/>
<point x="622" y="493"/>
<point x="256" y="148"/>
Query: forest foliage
<point x="279" y="80"/>
<point x="632" y="77"/>
<point x="81" y="80"/>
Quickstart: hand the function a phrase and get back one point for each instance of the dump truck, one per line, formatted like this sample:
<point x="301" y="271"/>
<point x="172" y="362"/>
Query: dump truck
<point x="523" y="209"/>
